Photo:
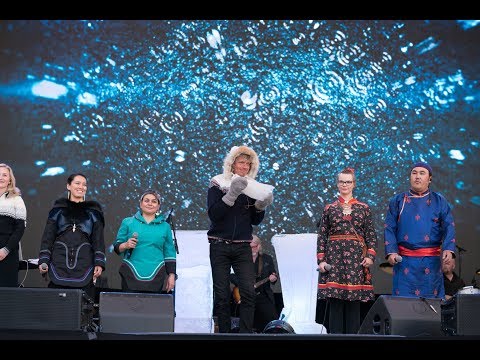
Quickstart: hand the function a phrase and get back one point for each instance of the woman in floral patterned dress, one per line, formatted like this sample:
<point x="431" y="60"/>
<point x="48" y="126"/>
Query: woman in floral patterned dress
<point x="346" y="248"/>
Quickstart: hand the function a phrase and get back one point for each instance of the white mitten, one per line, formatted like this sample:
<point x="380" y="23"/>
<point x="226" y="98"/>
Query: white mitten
<point x="238" y="184"/>
<point x="262" y="204"/>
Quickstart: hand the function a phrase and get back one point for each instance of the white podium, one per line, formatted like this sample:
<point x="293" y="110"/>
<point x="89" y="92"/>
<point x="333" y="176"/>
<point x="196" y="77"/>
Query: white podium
<point x="194" y="286"/>
<point x="297" y="265"/>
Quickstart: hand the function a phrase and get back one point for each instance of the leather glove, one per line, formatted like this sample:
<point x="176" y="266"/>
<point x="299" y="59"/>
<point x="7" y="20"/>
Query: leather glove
<point x="238" y="184"/>
<point x="262" y="204"/>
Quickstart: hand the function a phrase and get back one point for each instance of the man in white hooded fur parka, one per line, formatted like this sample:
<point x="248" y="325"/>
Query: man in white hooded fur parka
<point x="232" y="215"/>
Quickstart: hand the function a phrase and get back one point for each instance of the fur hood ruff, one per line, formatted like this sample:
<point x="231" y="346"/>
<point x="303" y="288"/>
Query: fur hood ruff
<point x="254" y="189"/>
<point x="224" y="180"/>
<point x="233" y="154"/>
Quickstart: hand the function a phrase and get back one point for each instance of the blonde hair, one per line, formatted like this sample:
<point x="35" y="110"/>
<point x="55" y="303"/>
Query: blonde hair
<point x="11" y="187"/>
<point x="256" y="240"/>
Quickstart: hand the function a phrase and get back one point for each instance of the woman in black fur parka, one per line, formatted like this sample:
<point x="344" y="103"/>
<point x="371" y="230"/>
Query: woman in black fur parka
<point x="72" y="248"/>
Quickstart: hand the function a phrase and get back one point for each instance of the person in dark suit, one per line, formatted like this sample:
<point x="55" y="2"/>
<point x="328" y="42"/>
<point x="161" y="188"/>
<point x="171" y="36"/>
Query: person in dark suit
<point x="451" y="280"/>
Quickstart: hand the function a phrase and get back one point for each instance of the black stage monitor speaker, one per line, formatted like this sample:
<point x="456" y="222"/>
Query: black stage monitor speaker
<point x="394" y="315"/>
<point x="43" y="309"/>
<point x="131" y="313"/>
<point x="461" y="315"/>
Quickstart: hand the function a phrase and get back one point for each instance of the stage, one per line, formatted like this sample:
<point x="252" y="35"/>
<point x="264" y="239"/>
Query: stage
<point x="235" y="345"/>
<point x="183" y="323"/>
<point x="33" y="319"/>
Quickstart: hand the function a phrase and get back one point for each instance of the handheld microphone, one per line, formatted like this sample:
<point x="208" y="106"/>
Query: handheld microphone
<point x="398" y="259"/>
<point x="327" y="267"/>
<point x="429" y="304"/>
<point x="129" y="251"/>
<point x="44" y="266"/>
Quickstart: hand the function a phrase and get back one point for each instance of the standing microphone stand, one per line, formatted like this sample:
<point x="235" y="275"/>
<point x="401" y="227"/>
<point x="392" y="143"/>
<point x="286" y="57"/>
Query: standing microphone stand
<point x="460" y="250"/>
<point x="175" y="242"/>
<point x="170" y="220"/>
<point x="474" y="282"/>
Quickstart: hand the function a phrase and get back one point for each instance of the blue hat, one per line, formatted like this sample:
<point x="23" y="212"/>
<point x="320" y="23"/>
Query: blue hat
<point x="423" y="165"/>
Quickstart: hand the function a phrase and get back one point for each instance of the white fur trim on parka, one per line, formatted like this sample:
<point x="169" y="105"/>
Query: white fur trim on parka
<point x="233" y="154"/>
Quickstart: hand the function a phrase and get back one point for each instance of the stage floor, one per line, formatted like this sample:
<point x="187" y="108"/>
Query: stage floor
<point x="239" y="344"/>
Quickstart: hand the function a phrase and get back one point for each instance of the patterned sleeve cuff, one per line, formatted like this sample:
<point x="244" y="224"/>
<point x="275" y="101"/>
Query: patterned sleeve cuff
<point x="6" y="250"/>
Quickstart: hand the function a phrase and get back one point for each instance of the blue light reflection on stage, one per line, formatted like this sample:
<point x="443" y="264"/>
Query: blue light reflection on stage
<point x="137" y="104"/>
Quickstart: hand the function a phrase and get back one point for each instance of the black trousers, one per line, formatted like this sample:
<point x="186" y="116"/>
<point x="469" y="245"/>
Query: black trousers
<point x="9" y="270"/>
<point x="344" y="316"/>
<point x="238" y="256"/>
<point x="265" y="311"/>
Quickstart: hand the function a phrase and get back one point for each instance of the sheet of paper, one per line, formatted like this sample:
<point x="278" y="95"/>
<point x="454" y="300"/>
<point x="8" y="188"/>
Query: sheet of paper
<point x="257" y="190"/>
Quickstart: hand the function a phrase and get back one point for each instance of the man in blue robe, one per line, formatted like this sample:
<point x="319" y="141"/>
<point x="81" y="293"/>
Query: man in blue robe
<point x="419" y="233"/>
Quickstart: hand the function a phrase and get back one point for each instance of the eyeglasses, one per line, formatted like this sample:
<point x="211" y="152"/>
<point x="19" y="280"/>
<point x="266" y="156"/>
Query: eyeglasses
<point x="348" y="182"/>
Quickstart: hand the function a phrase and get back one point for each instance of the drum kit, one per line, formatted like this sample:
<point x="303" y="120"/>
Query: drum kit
<point x="469" y="290"/>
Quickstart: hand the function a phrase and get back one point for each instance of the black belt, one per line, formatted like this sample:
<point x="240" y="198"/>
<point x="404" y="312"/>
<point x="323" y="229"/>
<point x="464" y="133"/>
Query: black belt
<point x="228" y="242"/>
<point x="217" y="241"/>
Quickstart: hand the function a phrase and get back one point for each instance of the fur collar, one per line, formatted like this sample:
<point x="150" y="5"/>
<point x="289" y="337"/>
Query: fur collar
<point x="65" y="203"/>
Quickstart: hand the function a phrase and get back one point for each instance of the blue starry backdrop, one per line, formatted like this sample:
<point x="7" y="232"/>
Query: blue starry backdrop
<point x="141" y="104"/>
